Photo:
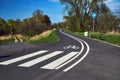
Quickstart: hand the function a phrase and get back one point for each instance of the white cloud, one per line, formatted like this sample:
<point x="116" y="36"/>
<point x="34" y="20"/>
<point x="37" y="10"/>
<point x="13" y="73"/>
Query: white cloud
<point x="109" y="1"/>
<point x="112" y="4"/>
<point x="54" y="0"/>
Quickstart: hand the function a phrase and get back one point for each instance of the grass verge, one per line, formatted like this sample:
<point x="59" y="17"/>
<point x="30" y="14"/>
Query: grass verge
<point x="6" y="41"/>
<point x="47" y="36"/>
<point x="111" y="38"/>
<point x="52" y="37"/>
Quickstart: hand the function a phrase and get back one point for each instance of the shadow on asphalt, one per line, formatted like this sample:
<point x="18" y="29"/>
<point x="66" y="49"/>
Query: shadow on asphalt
<point x="5" y="56"/>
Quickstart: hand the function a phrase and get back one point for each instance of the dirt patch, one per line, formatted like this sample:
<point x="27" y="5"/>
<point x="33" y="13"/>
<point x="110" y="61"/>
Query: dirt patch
<point x="5" y="37"/>
<point x="44" y="34"/>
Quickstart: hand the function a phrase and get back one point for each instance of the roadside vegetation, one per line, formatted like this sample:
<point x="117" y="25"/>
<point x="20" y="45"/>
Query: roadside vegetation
<point x="45" y="37"/>
<point x="78" y="19"/>
<point x="27" y="29"/>
<point x="111" y="38"/>
<point x="107" y="37"/>
<point x="2" y="41"/>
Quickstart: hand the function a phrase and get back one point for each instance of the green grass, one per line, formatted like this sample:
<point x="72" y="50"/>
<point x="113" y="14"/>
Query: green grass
<point x="52" y="37"/>
<point x="6" y="41"/>
<point x="111" y="38"/>
<point x="77" y="33"/>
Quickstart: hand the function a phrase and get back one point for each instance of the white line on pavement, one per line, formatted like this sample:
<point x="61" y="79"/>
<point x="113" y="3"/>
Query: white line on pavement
<point x="72" y="58"/>
<point x="40" y="59"/>
<point x="88" y="49"/>
<point x="80" y="41"/>
<point x="82" y="48"/>
<point x="59" y="61"/>
<point x="23" y="57"/>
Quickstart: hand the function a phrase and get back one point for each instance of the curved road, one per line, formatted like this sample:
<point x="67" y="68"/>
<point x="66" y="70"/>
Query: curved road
<point x="70" y="58"/>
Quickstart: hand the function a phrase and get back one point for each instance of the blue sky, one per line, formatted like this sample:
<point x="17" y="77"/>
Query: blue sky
<point x="20" y="9"/>
<point x="113" y="4"/>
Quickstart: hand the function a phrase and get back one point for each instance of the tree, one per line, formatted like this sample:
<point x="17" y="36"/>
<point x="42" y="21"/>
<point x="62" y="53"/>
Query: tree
<point x="29" y="26"/>
<point x="35" y="24"/>
<point x="46" y="20"/>
<point x="116" y="13"/>
<point x="2" y="21"/>
<point x="73" y="9"/>
<point x="12" y="26"/>
<point x="106" y="21"/>
<point x="79" y="15"/>
<point x="79" y="11"/>
<point x="38" y="15"/>
<point x="3" y="28"/>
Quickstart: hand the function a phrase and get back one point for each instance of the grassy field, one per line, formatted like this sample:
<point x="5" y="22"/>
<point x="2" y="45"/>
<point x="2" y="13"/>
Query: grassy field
<point x="111" y="38"/>
<point x="51" y="37"/>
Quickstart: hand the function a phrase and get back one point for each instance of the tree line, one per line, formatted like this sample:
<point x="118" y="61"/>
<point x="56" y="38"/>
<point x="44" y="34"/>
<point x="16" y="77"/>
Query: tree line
<point x="79" y="18"/>
<point x="28" y="26"/>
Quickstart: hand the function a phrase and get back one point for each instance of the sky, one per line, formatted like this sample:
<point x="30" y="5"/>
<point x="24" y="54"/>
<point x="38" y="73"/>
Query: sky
<point x="113" y="4"/>
<point x="20" y="9"/>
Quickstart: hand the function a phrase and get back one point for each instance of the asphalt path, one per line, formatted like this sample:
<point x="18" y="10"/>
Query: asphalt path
<point x="70" y="58"/>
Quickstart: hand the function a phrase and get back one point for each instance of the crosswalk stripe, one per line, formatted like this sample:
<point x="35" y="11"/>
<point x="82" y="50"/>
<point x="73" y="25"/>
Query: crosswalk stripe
<point x="22" y="57"/>
<point x="40" y="59"/>
<point x="59" y="61"/>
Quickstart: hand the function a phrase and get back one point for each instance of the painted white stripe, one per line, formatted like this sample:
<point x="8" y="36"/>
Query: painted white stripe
<point x="83" y="57"/>
<point x="40" y="59"/>
<point x="80" y="41"/>
<point x="72" y="58"/>
<point x="22" y="57"/>
<point x="59" y="61"/>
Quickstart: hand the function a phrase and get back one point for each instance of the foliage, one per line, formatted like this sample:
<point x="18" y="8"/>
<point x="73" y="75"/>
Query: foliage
<point x="107" y="23"/>
<point x="3" y="27"/>
<point x="79" y="12"/>
<point x="6" y="40"/>
<point x="111" y="38"/>
<point x="50" y="38"/>
<point x="28" y="26"/>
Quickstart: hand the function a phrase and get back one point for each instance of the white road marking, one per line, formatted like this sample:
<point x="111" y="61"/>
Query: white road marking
<point x="83" y="57"/>
<point x="72" y="58"/>
<point x="71" y="47"/>
<point x="22" y="57"/>
<point x="59" y="61"/>
<point x="40" y="59"/>
<point x="57" y="64"/>
<point x="80" y="41"/>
